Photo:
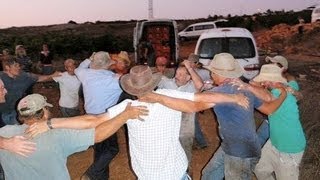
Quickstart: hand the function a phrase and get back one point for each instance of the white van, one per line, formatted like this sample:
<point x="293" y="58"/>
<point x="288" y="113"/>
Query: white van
<point x="195" y="30"/>
<point x="315" y="16"/>
<point x="237" y="41"/>
<point x="161" y="36"/>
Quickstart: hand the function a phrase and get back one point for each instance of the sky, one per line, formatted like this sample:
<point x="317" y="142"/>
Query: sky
<point x="46" y="12"/>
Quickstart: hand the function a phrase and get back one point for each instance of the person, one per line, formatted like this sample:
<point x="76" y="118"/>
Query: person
<point x="154" y="146"/>
<point x="69" y="90"/>
<point x="56" y="145"/>
<point x="263" y="130"/>
<point x="185" y="80"/>
<point x="17" y="82"/>
<point x="161" y="66"/>
<point x="5" y="54"/>
<point x="46" y="58"/>
<point x="16" y="144"/>
<point x="147" y="53"/>
<point x="240" y="149"/>
<point x="101" y="90"/>
<point x="123" y="63"/>
<point x="283" y="151"/>
<point x="22" y="58"/>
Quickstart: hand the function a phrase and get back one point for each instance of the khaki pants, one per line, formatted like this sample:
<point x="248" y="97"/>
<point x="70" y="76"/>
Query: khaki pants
<point x="187" y="133"/>
<point x="284" y="165"/>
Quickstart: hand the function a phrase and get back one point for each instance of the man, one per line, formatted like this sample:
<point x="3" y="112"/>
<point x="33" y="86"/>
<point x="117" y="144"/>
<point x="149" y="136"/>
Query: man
<point x="161" y="66"/>
<point x="101" y="90"/>
<point x="240" y="148"/>
<point x="53" y="147"/>
<point x="17" y="83"/>
<point x="69" y="90"/>
<point x="16" y="144"/>
<point x="283" y="151"/>
<point x="155" y="150"/>
<point x="185" y="80"/>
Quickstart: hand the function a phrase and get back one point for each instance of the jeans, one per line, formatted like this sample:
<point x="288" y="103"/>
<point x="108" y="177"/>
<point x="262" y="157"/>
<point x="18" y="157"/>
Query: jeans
<point x="199" y="137"/>
<point x="9" y="118"/>
<point x="184" y="177"/>
<point x="104" y="152"/>
<point x="222" y="165"/>
<point x="263" y="132"/>
<point x="187" y="133"/>
<point x="1" y="173"/>
<point x="69" y="112"/>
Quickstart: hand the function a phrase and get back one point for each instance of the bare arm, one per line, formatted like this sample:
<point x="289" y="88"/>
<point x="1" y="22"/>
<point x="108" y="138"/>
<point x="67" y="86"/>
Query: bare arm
<point x="107" y="128"/>
<point x="197" y="81"/>
<point x="81" y="122"/>
<point x="18" y="144"/>
<point x="201" y="101"/>
<point x="269" y="107"/>
<point x="261" y="93"/>
<point x="43" y="78"/>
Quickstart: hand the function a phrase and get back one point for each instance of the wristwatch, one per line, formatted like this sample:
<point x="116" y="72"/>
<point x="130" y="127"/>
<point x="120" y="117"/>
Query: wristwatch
<point x="49" y="124"/>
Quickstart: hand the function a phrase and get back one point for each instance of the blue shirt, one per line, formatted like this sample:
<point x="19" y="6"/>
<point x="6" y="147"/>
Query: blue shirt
<point x="237" y="127"/>
<point x="16" y="88"/>
<point x="101" y="88"/>
<point x="49" y="161"/>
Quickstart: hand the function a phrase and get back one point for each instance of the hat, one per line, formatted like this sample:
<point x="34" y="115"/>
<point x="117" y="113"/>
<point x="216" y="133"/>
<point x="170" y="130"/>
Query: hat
<point x="123" y="56"/>
<point x="101" y="59"/>
<point x="140" y="80"/>
<point x="278" y="59"/>
<point x="32" y="103"/>
<point x="193" y="58"/>
<point x="19" y="46"/>
<point x="225" y="65"/>
<point x="270" y="72"/>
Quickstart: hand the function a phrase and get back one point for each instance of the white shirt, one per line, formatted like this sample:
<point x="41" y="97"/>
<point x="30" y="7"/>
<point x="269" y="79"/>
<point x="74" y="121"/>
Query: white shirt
<point x="166" y="83"/>
<point x="155" y="149"/>
<point x="69" y="90"/>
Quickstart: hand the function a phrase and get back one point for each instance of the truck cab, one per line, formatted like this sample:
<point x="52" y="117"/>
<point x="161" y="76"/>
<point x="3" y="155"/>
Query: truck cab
<point x="154" y="38"/>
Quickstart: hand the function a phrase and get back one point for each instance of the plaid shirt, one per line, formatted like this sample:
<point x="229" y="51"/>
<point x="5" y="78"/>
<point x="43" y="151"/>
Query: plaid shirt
<point x="155" y="150"/>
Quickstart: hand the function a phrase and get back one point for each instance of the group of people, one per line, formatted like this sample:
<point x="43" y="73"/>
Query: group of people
<point x="160" y="112"/>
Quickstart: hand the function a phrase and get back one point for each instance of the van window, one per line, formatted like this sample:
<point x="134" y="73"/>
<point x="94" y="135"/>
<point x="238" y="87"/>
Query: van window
<point x="239" y="47"/>
<point x="209" y="26"/>
<point x="197" y="28"/>
<point x="189" y="29"/>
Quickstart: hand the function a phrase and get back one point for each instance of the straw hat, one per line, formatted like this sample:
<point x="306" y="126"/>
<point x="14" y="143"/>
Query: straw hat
<point x="123" y="56"/>
<point x="225" y="65"/>
<point x="278" y="59"/>
<point x="140" y="80"/>
<point x="270" y="72"/>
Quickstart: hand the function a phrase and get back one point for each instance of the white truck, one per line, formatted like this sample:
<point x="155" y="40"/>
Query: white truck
<point x="237" y="41"/>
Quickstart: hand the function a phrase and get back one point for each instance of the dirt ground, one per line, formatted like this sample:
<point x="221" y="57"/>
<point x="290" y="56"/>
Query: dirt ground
<point x="309" y="108"/>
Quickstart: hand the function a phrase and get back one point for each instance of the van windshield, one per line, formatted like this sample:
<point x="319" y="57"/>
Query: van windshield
<point x="239" y="47"/>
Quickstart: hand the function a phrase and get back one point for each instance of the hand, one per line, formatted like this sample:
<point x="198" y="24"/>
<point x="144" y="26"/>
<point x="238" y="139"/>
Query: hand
<point x="150" y="97"/>
<point x="187" y="64"/>
<point x="36" y="129"/>
<point x="20" y="145"/>
<point x="242" y="100"/>
<point x="135" y="112"/>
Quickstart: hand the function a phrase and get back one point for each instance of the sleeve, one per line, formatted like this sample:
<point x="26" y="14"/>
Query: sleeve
<point x="117" y="109"/>
<point x="75" y="140"/>
<point x="58" y="78"/>
<point x="256" y="101"/>
<point x="30" y="78"/>
<point x="294" y="85"/>
<point x="80" y="71"/>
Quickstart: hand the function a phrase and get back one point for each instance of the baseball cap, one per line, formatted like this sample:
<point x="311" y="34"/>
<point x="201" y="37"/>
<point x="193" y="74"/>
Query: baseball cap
<point x="32" y="103"/>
